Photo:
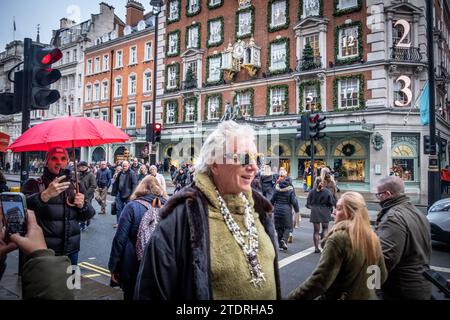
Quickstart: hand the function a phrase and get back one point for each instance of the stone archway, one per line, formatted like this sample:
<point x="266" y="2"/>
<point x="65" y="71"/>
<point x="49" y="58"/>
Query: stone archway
<point x="99" y="154"/>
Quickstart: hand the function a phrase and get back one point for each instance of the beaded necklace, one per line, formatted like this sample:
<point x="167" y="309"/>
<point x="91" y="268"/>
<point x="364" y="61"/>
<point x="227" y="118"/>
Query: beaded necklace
<point x="250" y="250"/>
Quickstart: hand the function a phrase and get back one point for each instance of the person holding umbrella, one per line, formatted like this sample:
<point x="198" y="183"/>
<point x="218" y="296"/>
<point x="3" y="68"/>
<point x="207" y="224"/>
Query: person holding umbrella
<point x="58" y="206"/>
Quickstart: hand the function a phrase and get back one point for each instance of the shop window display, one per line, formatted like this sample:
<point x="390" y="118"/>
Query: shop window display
<point x="350" y="170"/>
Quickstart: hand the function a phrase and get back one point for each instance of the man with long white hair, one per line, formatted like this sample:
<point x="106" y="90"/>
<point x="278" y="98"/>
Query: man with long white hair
<point x="216" y="238"/>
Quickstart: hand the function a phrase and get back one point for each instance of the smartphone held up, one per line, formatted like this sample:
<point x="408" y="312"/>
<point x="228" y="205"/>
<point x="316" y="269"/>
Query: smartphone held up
<point x="14" y="209"/>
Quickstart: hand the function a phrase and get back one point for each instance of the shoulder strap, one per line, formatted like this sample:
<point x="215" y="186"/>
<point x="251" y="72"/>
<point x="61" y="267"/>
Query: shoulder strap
<point x="144" y="203"/>
<point x="154" y="202"/>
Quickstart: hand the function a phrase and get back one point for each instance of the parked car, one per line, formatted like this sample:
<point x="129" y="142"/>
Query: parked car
<point x="439" y="218"/>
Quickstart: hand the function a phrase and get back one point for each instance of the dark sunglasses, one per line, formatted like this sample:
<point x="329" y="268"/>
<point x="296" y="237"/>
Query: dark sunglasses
<point x="245" y="158"/>
<point x="57" y="158"/>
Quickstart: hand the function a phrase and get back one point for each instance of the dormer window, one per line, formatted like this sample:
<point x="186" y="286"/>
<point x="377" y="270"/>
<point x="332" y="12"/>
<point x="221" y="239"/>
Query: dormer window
<point x="127" y="30"/>
<point x="141" y="25"/>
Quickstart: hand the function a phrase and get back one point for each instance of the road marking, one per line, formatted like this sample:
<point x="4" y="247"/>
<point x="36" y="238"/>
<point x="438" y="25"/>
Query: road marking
<point x="440" y="269"/>
<point x="284" y="262"/>
<point x="91" y="275"/>
<point x="85" y="265"/>
<point x="92" y="258"/>
<point x="95" y="266"/>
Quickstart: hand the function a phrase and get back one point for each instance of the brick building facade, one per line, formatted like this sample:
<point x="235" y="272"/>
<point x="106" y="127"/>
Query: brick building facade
<point x="364" y="67"/>
<point x="118" y="85"/>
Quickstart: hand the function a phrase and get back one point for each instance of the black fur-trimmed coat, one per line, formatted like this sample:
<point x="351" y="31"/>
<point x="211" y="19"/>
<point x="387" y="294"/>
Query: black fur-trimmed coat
<point x="176" y="263"/>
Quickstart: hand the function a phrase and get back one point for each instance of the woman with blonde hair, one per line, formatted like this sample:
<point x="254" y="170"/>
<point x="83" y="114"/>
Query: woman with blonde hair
<point x="123" y="261"/>
<point x="352" y="263"/>
<point x="328" y="181"/>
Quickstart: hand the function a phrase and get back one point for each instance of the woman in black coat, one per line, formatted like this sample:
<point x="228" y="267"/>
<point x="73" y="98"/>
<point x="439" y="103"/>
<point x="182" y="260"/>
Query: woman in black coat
<point x="123" y="260"/>
<point x="321" y="202"/>
<point x="284" y="200"/>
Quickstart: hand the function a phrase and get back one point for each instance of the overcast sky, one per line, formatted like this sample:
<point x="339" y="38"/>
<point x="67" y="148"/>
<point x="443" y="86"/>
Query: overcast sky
<point x="29" y="13"/>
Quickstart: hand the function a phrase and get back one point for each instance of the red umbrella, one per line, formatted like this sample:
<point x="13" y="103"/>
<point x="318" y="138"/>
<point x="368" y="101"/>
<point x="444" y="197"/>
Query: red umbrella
<point x="68" y="132"/>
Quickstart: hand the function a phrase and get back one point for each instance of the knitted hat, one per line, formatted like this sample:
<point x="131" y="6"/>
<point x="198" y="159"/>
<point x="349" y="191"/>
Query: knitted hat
<point x="54" y="150"/>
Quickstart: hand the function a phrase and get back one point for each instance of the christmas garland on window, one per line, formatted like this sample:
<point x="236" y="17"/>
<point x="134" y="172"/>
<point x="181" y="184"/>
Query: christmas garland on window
<point x="251" y="91"/>
<point x="301" y="93"/>
<point x="213" y="83"/>
<point x="250" y="9"/>
<point x="222" y="27"/>
<point x="219" y="111"/>
<point x="284" y="87"/>
<point x="191" y="14"/>
<point x="341" y="61"/>
<point x="269" y="56"/>
<point x="186" y="101"/>
<point x="215" y="6"/>
<point x="340" y="12"/>
<point x="177" y="79"/>
<point x="300" y="9"/>
<point x="362" y="102"/>
<point x="269" y="17"/>
<point x="179" y="12"/>
<point x="178" y="33"/>
<point x="166" y="106"/>
<point x="186" y="36"/>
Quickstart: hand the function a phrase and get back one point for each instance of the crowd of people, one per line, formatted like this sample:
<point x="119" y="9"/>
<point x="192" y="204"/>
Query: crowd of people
<point x="219" y="234"/>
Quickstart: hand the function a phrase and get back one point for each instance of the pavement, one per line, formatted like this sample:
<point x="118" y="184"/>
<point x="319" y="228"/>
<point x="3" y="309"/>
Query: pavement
<point x="10" y="285"/>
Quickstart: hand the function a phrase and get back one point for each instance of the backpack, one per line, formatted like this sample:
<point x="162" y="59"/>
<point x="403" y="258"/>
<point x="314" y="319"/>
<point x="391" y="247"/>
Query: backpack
<point x="147" y="225"/>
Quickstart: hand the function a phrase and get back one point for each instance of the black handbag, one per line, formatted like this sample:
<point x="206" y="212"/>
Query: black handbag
<point x="113" y="209"/>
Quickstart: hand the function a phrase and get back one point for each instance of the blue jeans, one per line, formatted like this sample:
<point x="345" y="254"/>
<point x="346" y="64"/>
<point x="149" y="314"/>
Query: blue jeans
<point x="73" y="258"/>
<point x="120" y="204"/>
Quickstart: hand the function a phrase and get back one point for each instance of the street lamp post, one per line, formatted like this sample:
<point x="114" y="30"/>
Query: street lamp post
<point x="156" y="7"/>
<point x="434" y="190"/>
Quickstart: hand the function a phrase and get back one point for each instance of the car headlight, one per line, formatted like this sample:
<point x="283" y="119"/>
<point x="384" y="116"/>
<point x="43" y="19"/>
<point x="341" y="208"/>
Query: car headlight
<point x="440" y="207"/>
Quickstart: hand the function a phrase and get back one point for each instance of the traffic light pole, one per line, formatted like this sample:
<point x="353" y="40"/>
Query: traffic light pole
<point x="26" y="106"/>
<point x="155" y="63"/>
<point x="312" y="162"/>
<point x="434" y="190"/>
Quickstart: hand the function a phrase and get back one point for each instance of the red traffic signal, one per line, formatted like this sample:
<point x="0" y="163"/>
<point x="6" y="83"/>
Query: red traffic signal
<point x="42" y="76"/>
<point x="157" y="127"/>
<point x="50" y="56"/>
<point x="316" y="126"/>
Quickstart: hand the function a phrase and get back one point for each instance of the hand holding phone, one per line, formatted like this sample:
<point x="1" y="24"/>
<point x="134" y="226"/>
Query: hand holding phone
<point x="14" y="208"/>
<point x="54" y="189"/>
<point x="438" y="280"/>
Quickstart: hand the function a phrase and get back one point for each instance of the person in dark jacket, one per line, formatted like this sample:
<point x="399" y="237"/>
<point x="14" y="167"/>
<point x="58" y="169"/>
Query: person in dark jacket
<point x="180" y="180"/>
<point x="267" y="182"/>
<point x="3" y="186"/>
<point x="87" y="179"/>
<point x="123" y="186"/>
<point x="197" y="251"/>
<point x="123" y="261"/>
<point x="58" y="207"/>
<point x="283" y="201"/>
<point x="44" y="275"/>
<point x="321" y="203"/>
<point x="405" y="238"/>
<point x="103" y="178"/>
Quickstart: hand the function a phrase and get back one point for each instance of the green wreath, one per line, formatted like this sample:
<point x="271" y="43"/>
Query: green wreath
<point x="348" y="150"/>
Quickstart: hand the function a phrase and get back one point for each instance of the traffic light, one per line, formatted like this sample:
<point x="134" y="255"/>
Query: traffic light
<point x="303" y="129"/>
<point x="316" y="125"/>
<point x="149" y="133"/>
<point x="42" y="76"/>
<point x="426" y="145"/>
<point x="443" y="147"/>
<point x="11" y="103"/>
<point x="157" y="132"/>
